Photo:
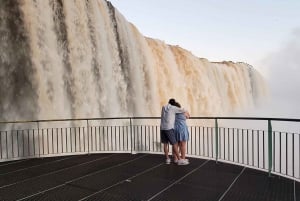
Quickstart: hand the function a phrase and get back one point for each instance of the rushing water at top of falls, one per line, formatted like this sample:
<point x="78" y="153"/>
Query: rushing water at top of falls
<point x="77" y="59"/>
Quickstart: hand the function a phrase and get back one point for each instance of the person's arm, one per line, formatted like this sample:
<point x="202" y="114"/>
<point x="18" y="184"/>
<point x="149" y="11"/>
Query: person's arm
<point x="187" y="114"/>
<point x="178" y="109"/>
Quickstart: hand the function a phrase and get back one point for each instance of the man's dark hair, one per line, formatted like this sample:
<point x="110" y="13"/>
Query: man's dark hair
<point x="172" y="101"/>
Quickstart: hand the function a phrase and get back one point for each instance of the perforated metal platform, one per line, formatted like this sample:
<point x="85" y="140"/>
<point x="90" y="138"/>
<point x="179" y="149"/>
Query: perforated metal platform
<point x="124" y="177"/>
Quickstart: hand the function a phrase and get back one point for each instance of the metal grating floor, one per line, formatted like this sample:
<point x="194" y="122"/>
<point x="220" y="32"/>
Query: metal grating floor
<point x="127" y="177"/>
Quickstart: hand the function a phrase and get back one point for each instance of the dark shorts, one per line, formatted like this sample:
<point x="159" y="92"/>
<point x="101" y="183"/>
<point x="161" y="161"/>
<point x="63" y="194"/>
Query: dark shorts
<point x="168" y="136"/>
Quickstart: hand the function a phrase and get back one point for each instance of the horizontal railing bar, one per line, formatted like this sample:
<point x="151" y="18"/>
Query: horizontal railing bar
<point x="250" y="118"/>
<point x="116" y="118"/>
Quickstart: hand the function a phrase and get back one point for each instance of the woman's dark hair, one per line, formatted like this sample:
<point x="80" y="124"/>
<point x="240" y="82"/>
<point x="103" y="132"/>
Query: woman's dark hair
<point x="177" y="104"/>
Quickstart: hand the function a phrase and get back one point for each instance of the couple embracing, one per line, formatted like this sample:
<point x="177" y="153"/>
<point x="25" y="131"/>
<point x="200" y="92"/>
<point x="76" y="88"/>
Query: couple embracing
<point x="174" y="131"/>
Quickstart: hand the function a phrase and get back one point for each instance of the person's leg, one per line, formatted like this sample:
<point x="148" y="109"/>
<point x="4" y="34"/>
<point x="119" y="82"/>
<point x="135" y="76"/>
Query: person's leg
<point x="183" y="149"/>
<point x="165" y="141"/>
<point x="175" y="151"/>
<point x="175" y="158"/>
<point x="166" y="150"/>
<point x="170" y="135"/>
<point x="180" y="161"/>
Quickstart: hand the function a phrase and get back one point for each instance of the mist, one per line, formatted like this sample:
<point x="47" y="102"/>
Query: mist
<point x="281" y="71"/>
<point x="283" y="78"/>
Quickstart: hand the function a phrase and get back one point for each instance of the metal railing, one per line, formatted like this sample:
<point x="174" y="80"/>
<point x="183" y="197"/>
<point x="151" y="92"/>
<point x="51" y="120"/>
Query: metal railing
<point x="262" y="148"/>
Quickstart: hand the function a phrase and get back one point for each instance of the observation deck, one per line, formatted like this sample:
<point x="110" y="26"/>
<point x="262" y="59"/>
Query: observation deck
<point x="121" y="177"/>
<point x="121" y="159"/>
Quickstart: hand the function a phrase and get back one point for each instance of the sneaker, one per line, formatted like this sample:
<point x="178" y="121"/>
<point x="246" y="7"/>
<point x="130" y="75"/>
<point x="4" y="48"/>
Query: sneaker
<point x="168" y="161"/>
<point x="182" y="162"/>
<point x="186" y="159"/>
<point x="176" y="160"/>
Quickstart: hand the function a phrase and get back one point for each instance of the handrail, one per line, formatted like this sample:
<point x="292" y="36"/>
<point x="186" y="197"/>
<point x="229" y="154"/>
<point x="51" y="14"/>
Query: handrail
<point x="112" y="118"/>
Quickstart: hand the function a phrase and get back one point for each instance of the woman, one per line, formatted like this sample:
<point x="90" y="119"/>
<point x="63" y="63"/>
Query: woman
<point x="181" y="131"/>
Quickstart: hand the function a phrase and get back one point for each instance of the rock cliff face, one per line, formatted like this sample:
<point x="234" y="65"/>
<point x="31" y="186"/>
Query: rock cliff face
<point x="75" y="59"/>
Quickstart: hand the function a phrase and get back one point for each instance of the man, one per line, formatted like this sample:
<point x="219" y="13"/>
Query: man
<point x="167" y="123"/>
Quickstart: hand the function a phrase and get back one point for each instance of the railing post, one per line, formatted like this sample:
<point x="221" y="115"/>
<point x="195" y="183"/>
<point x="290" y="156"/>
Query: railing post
<point x="88" y="135"/>
<point x="217" y="139"/>
<point x="38" y="127"/>
<point x="270" y="146"/>
<point x="131" y="136"/>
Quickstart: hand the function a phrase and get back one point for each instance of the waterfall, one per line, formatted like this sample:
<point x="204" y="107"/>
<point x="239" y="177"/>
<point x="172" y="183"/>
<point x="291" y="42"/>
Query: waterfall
<point x="77" y="59"/>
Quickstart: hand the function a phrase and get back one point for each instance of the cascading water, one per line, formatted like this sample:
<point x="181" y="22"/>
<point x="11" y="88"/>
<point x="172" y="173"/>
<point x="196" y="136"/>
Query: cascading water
<point x="73" y="59"/>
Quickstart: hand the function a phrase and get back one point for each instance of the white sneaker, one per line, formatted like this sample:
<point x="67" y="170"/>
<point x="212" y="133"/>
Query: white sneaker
<point x="186" y="159"/>
<point x="182" y="162"/>
<point x="176" y="161"/>
<point x="168" y="161"/>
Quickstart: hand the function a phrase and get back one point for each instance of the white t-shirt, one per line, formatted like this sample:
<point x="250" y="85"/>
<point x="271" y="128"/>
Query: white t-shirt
<point x="168" y="113"/>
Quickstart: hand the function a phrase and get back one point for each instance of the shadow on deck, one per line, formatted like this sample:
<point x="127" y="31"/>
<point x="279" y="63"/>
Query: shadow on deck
<point x="123" y="177"/>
